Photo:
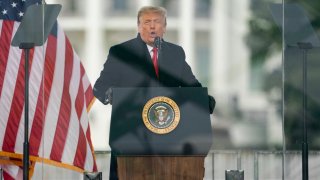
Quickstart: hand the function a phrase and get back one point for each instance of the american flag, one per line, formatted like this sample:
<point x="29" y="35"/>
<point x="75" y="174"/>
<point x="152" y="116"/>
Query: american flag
<point x="60" y="96"/>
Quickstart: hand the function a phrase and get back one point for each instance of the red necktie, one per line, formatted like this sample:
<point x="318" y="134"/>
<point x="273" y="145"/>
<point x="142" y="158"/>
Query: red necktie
<point x="155" y="60"/>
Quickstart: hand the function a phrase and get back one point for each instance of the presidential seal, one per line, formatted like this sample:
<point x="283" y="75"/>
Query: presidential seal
<point x="161" y="115"/>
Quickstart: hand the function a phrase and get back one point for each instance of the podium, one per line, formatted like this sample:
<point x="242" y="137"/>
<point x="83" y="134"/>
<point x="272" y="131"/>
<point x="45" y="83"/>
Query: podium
<point x="160" y="133"/>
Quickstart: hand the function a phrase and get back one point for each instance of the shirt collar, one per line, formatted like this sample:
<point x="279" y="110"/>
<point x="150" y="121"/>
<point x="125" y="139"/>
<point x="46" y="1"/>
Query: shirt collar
<point x="149" y="48"/>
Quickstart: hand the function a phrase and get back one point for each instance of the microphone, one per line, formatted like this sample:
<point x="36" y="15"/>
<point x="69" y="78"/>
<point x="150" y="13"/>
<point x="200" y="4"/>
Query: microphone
<point x="157" y="43"/>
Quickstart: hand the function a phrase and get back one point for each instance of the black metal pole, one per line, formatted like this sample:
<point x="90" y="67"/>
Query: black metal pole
<point x="305" y="149"/>
<point x="26" y="47"/>
<point x="305" y="135"/>
<point x="26" y="119"/>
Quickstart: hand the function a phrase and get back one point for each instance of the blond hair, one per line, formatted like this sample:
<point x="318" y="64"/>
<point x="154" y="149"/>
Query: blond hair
<point x="153" y="9"/>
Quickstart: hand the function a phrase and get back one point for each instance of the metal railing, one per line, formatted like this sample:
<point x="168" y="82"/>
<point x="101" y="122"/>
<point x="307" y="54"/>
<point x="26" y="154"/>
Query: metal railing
<point x="257" y="165"/>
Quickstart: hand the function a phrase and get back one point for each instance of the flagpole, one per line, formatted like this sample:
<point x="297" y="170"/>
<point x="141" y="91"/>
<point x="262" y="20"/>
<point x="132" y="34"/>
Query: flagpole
<point x="26" y="47"/>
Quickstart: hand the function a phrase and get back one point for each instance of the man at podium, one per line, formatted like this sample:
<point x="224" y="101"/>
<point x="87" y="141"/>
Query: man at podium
<point x="145" y="61"/>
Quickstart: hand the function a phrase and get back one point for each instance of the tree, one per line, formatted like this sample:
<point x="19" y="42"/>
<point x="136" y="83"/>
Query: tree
<point x="264" y="40"/>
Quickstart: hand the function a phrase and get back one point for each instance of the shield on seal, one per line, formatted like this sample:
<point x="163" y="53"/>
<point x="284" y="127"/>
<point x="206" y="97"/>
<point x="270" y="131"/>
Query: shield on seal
<point x="161" y="115"/>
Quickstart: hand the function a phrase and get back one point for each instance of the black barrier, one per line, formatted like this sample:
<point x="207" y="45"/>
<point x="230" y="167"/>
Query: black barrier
<point x="92" y="176"/>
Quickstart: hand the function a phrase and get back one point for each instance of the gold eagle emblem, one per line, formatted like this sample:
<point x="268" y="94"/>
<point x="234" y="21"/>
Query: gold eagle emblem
<point x="161" y="115"/>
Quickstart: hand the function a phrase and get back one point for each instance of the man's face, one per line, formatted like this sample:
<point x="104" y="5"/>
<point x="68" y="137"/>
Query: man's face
<point x="150" y="26"/>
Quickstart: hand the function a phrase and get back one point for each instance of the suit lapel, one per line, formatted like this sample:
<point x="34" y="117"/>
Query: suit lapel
<point x="146" y="60"/>
<point x="162" y="59"/>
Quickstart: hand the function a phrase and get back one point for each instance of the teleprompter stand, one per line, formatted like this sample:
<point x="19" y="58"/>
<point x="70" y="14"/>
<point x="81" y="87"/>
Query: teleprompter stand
<point x="298" y="36"/>
<point x="33" y="31"/>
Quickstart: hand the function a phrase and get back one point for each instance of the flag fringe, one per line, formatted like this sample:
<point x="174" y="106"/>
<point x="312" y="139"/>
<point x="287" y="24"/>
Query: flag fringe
<point x="36" y="159"/>
<point x="90" y="104"/>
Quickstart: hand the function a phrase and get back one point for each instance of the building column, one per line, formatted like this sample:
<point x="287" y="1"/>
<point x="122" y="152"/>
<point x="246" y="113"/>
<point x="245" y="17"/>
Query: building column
<point x="144" y="3"/>
<point x="94" y="38"/>
<point x="219" y="74"/>
<point x="186" y="30"/>
<point x="219" y="34"/>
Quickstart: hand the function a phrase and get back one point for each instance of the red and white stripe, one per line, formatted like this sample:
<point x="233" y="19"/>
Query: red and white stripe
<point x="59" y="96"/>
<point x="11" y="172"/>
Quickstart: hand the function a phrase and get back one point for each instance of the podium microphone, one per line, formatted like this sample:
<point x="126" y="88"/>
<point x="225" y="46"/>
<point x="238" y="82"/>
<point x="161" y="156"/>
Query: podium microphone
<point x="157" y="43"/>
